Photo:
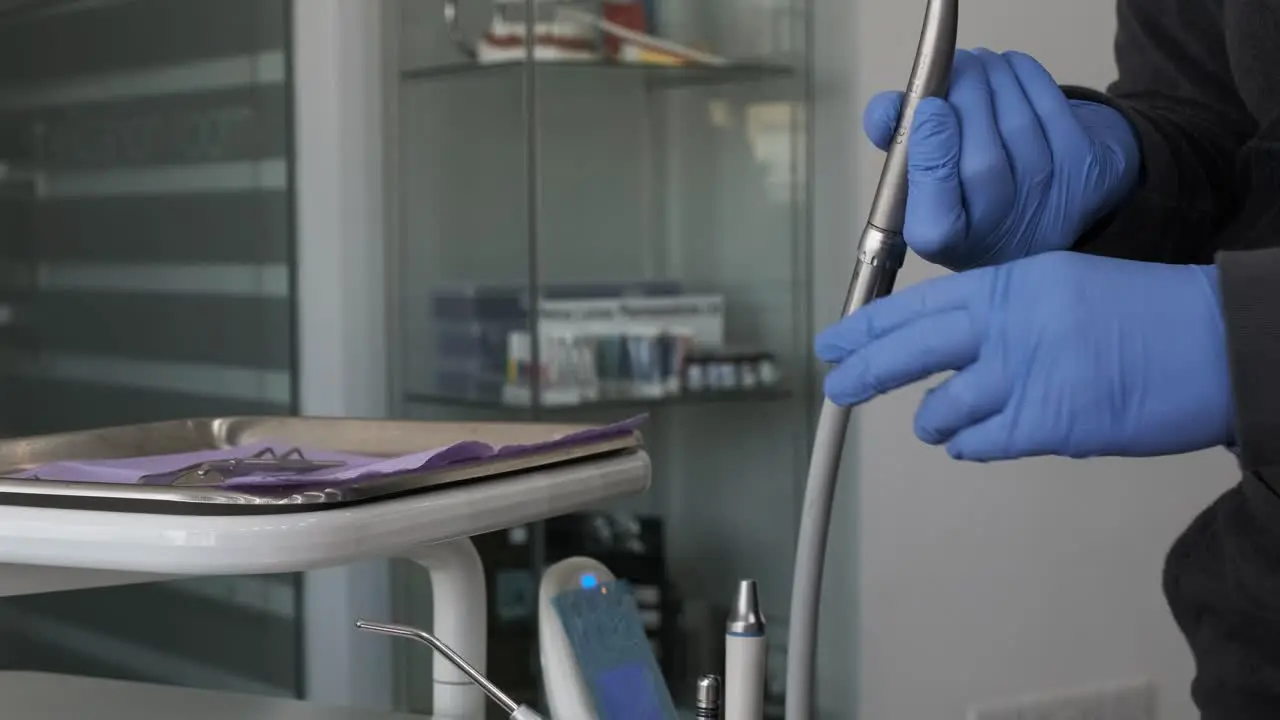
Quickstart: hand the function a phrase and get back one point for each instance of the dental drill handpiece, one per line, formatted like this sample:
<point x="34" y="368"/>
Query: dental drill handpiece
<point x="881" y="252"/>
<point x="513" y="709"/>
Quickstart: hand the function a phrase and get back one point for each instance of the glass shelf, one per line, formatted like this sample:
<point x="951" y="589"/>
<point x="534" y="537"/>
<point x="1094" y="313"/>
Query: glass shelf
<point x="654" y="75"/>
<point x="629" y="199"/>
<point x="700" y="398"/>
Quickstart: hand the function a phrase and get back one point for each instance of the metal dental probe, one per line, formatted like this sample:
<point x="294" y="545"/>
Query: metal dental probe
<point x="881" y="251"/>
<point x="515" y="710"/>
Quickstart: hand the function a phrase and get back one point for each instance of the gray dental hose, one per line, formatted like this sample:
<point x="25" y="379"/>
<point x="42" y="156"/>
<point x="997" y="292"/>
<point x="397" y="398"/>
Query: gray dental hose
<point x="881" y="251"/>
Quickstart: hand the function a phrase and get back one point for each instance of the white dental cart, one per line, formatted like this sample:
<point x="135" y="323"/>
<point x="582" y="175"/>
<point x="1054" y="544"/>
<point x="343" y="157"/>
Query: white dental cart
<point x="52" y="539"/>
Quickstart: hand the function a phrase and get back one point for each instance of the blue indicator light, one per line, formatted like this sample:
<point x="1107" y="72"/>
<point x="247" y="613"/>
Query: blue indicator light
<point x="588" y="581"/>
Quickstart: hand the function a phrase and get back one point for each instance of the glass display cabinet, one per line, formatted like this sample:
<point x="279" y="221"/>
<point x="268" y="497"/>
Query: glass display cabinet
<point x="600" y="209"/>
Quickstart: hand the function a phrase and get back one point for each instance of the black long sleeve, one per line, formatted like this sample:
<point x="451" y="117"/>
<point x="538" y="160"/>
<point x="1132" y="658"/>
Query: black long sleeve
<point x="1176" y="88"/>
<point x="1200" y="83"/>
<point x="1195" y="76"/>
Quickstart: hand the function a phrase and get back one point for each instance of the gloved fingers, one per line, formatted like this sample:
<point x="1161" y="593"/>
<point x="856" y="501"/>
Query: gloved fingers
<point x="986" y="179"/>
<point x="1062" y="130"/>
<point x="934" y="344"/>
<point x="880" y="118"/>
<point x="936" y="220"/>
<point x="890" y="313"/>
<point x="965" y="399"/>
<point x="992" y="440"/>
<point x="1028" y="150"/>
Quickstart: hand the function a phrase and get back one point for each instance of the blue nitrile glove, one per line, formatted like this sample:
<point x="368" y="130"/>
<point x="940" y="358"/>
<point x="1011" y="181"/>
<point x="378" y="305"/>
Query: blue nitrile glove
<point x="1007" y="166"/>
<point x="1059" y="354"/>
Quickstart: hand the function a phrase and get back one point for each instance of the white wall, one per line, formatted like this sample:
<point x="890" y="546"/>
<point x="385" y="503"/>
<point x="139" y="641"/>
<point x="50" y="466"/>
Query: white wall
<point x="977" y="583"/>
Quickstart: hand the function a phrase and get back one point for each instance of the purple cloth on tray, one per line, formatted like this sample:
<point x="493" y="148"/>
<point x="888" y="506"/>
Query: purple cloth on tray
<point x="355" y="467"/>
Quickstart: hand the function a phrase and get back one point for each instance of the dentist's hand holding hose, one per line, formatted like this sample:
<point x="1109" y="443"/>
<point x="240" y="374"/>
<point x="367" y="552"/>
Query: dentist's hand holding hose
<point x="1006" y="167"/>
<point x="1055" y="353"/>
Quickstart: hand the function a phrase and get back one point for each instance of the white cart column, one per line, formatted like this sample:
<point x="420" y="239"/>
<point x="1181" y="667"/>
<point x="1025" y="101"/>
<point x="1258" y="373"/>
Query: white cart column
<point x="459" y="617"/>
<point x="338" y="79"/>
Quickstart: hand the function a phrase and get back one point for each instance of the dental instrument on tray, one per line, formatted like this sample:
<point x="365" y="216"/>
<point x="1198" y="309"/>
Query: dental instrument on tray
<point x="881" y="252"/>
<point x="744" y="656"/>
<point x="515" y="710"/>
<point x="216" y="472"/>
<point x="213" y="461"/>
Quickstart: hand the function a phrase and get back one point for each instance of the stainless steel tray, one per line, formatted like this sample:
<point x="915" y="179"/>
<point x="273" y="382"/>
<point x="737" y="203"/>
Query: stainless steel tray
<point x="381" y="438"/>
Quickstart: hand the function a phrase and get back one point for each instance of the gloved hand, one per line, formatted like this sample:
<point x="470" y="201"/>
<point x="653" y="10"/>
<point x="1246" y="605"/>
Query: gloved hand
<point x="1059" y="354"/>
<point x="1007" y="166"/>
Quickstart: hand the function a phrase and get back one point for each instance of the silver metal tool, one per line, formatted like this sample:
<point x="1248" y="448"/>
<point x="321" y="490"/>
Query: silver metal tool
<point x="881" y="252"/>
<point x="707" y="700"/>
<point x="515" y="710"/>
<point x="745" y="652"/>
<point x="215" y="472"/>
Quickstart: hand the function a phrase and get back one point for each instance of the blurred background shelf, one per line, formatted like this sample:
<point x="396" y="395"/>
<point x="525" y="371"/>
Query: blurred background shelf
<point x="646" y="229"/>
<point x="710" y="397"/>
<point x="654" y="75"/>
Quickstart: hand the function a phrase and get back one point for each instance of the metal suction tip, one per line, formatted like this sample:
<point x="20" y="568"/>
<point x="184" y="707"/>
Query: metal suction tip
<point x="745" y="617"/>
<point x="422" y="636"/>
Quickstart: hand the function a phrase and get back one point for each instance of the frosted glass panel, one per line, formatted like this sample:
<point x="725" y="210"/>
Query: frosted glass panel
<point x="145" y="217"/>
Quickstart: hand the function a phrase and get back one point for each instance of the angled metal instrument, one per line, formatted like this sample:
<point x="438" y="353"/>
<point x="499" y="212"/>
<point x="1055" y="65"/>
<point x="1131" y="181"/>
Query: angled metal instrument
<point x="513" y="709"/>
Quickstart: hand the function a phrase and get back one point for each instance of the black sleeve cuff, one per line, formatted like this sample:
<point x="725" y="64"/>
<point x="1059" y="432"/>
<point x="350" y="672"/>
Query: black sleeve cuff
<point x="1134" y="230"/>
<point x="1250" y="288"/>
